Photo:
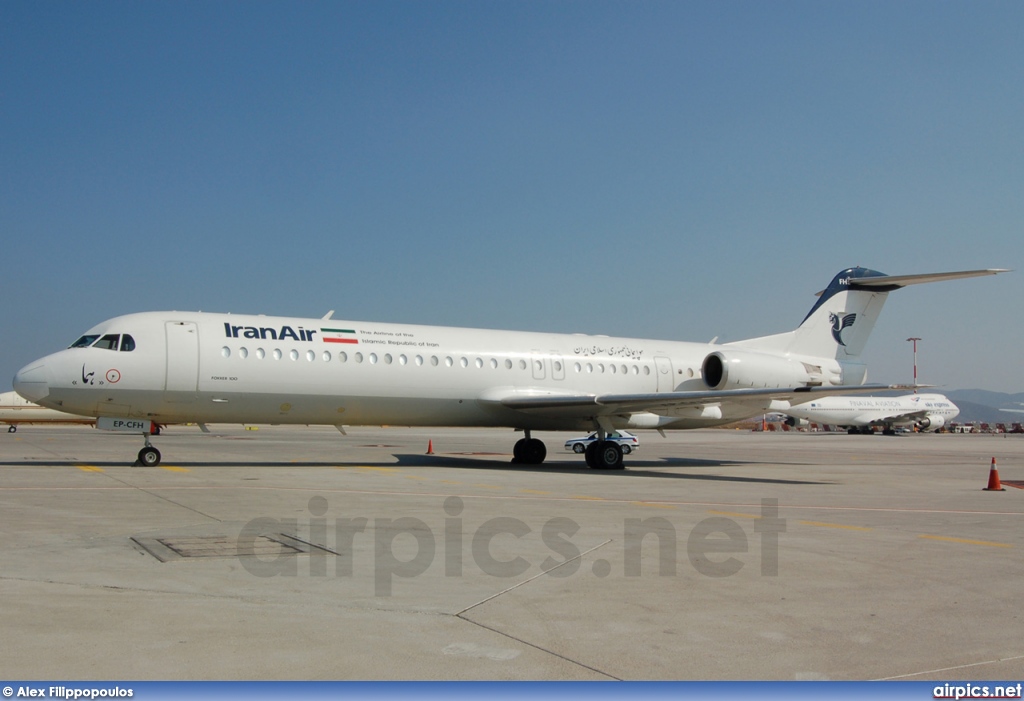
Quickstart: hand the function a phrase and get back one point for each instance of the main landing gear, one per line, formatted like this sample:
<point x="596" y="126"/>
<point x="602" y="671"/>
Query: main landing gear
<point x="600" y="455"/>
<point x="529" y="451"/>
<point x="604" y="455"/>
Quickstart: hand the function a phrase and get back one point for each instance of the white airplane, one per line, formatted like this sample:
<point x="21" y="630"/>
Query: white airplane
<point x="15" y="410"/>
<point x="137" y="371"/>
<point x="925" y="412"/>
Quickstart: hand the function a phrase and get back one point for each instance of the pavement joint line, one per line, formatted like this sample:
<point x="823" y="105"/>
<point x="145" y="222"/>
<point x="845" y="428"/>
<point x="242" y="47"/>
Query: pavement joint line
<point x="950" y="669"/>
<point x="530" y="579"/>
<point x="805" y="507"/>
<point x="965" y="541"/>
<point x="461" y="615"/>
<point x="821" y="524"/>
<point x="163" y="498"/>
<point x="538" y="647"/>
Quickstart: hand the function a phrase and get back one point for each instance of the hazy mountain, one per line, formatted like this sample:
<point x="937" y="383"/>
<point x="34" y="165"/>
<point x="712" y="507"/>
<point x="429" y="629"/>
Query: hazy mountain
<point x="999" y="400"/>
<point x="981" y="405"/>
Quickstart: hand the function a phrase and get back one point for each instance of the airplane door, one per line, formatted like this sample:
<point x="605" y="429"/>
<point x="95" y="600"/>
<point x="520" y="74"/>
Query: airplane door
<point x="537" y="363"/>
<point x="557" y="367"/>
<point x="182" y="361"/>
<point x="664" y="369"/>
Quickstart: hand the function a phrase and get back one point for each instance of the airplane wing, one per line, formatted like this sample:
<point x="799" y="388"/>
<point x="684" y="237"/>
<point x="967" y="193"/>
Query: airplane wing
<point x="899" y="418"/>
<point x="664" y="403"/>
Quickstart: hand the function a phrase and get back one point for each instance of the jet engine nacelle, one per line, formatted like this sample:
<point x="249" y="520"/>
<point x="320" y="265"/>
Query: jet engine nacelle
<point x="745" y="369"/>
<point x="795" y="422"/>
<point x="932" y="422"/>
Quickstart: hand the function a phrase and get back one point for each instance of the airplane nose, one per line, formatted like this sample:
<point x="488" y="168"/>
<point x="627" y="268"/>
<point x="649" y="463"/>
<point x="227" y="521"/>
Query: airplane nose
<point x="32" y="382"/>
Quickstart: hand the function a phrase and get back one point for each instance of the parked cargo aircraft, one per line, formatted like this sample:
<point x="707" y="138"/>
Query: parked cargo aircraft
<point x="925" y="412"/>
<point x="136" y="371"/>
<point x="15" y="410"/>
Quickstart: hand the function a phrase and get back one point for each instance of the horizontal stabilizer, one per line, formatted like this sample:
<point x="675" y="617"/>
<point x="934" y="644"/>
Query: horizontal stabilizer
<point x="892" y="282"/>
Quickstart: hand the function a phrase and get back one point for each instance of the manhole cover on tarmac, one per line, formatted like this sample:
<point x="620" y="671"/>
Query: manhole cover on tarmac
<point x="177" y="547"/>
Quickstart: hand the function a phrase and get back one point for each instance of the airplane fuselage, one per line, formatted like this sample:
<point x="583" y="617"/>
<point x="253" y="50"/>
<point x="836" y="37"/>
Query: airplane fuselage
<point x="137" y="371"/>
<point x="203" y="367"/>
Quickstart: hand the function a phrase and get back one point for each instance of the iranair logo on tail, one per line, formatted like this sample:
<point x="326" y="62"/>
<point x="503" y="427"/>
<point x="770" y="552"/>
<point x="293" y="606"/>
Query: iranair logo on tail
<point x="839" y="323"/>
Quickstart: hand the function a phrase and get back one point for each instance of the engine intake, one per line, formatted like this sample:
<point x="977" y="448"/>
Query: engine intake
<point x="931" y="422"/>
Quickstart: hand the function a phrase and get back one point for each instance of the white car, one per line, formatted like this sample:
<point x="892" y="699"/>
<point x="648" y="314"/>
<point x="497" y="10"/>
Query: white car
<point x="627" y="441"/>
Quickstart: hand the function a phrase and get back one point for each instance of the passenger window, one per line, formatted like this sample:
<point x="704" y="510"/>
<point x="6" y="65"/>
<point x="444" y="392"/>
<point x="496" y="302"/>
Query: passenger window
<point x="108" y="342"/>
<point x="84" y="341"/>
<point x="127" y="343"/>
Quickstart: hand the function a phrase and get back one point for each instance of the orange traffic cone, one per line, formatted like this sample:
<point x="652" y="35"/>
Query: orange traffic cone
<point x="994" y="485"/>
<point x="430" y="449"/>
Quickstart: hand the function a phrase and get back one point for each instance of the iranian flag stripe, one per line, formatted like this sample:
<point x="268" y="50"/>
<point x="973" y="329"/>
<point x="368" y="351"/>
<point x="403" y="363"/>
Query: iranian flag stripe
<point x="339" y="335"/>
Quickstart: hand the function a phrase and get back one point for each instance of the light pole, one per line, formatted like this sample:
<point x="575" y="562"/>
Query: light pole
<point x="915" y="340"/>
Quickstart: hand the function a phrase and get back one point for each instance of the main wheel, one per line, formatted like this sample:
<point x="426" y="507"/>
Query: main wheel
<point x="519" y="451"/>
<point x="149" y="456"/>
<point x="610" y="456"/>
<point x="535" y="452"/>
<point x="604" y="455"/>
<point x="12" y="429"/>
<point x="529" y="451"/>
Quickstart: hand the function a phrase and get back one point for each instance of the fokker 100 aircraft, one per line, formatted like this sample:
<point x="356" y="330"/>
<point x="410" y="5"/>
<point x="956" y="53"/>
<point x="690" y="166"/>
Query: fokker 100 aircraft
<point x="925" y="412"/>
<point x="138" y="371"/>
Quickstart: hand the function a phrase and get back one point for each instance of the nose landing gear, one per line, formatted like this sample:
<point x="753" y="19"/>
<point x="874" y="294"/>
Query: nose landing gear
<point x="149" y="456"/>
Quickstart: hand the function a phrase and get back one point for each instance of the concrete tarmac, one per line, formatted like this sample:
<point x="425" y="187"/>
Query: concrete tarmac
<point x="298" y="553"/>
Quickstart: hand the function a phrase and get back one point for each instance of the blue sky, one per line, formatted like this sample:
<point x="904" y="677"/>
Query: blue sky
<point x="671" y="170"/>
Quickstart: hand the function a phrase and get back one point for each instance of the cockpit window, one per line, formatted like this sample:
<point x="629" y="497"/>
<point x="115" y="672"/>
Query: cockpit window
<point x="108" y="342"/>
<point x="85" y="341"/>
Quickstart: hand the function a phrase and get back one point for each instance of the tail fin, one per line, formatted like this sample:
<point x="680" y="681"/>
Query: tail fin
<point x="839" y="324"/>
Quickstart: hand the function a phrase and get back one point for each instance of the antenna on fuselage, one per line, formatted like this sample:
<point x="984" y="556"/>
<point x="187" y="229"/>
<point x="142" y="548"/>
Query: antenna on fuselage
<point x="328" y="315"/>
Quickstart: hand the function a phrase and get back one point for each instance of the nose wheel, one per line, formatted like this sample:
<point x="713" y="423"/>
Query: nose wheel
<point x="149" y="456"/>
